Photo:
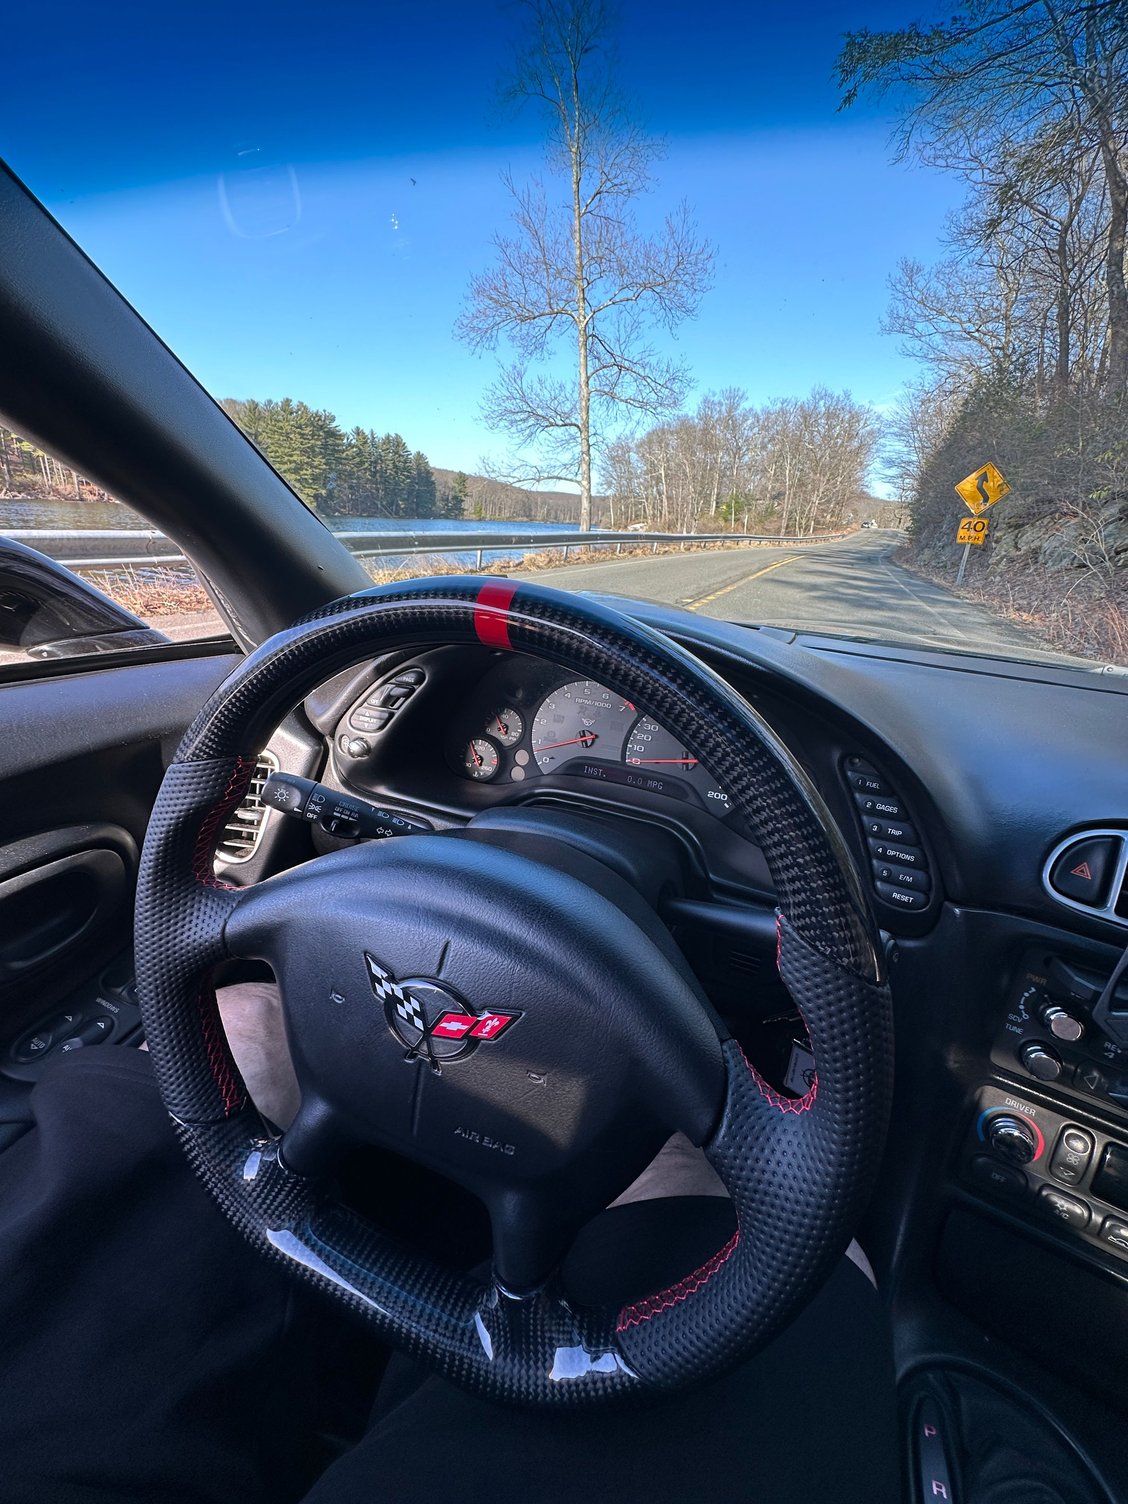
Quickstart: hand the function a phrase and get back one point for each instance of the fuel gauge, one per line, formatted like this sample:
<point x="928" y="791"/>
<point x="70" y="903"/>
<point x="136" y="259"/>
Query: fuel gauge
<point x="482" y="759"/>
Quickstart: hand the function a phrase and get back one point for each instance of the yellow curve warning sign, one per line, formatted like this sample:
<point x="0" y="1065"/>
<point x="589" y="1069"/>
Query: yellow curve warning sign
<point x="972" y="530"/>
<point x="983" y="488"/>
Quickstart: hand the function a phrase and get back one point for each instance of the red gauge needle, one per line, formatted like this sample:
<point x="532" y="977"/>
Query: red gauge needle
<point x="583" y="741"/>
<point x="682" y="762"/>
<point x="476" y="757"/>
<point x="502" y="727"/>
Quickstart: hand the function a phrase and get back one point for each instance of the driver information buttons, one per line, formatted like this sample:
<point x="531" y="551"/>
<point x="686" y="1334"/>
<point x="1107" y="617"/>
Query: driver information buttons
<point x="898" y="864"/>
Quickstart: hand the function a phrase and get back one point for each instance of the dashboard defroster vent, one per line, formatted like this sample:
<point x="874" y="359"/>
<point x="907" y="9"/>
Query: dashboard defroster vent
<point x="242" y="831"/>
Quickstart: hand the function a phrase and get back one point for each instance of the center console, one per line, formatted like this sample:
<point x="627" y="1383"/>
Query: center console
<point x="1053" y="1146"/>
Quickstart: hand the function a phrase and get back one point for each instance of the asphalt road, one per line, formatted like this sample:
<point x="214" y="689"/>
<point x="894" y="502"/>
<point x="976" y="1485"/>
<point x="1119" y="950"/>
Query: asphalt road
<point x="850" y="588"/>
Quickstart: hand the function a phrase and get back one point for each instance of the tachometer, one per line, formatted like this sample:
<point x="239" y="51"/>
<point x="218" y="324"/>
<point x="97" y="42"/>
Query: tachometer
<point x="657" y="751"/>
<point x="577" y="720"/>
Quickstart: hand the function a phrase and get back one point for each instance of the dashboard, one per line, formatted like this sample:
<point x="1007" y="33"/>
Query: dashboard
<point x="986" y="805"/>
<point x="953" y="777"/>
<point x="454" y="732"/>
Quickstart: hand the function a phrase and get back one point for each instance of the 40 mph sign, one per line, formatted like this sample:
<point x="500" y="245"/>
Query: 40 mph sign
<point x="972" y="530"/>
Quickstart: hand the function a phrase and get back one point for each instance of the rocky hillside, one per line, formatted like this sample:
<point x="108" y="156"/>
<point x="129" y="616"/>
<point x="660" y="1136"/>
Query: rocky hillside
<point x="1056" y="554"/>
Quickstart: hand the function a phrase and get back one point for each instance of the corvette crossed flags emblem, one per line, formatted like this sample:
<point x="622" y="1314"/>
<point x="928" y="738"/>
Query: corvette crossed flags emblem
<point x="430" y="1019"/>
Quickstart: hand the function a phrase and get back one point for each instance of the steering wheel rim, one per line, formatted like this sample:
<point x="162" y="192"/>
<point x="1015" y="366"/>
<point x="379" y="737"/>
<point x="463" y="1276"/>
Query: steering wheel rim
<point x="799" y="1171"/>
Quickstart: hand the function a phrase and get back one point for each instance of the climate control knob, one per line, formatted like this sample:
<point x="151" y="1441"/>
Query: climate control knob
<point x="1040" y="1061"/>
<point x="1012" y="1138"/>
<point x="1062" y="1025"/>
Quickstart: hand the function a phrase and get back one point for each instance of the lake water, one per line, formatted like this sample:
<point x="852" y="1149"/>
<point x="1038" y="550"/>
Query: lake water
<point x="71" y="516"/>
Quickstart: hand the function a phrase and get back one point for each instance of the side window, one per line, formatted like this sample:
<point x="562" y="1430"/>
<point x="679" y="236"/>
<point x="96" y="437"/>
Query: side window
<point x="80" y="573"/>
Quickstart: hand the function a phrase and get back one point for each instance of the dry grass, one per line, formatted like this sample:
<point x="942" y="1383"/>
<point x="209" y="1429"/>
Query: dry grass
<point x="156" y="594"/>
<point x="1081" y="612"/>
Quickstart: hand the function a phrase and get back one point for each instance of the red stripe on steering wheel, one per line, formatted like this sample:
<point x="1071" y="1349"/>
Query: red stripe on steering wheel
<point x="491" y="614"/>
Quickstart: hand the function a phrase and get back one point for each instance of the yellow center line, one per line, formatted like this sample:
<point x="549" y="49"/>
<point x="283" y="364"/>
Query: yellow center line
<point x="744" y="580"/>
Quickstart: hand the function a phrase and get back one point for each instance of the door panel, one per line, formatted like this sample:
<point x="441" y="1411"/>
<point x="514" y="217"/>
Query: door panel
<point x="81" y="758"/>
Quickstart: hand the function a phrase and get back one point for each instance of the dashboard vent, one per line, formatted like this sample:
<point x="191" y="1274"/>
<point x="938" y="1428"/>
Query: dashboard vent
<point x="242" y="832"/>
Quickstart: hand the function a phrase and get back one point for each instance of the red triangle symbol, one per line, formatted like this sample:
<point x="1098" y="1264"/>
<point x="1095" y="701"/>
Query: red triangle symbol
<point x="1082" y="871"/>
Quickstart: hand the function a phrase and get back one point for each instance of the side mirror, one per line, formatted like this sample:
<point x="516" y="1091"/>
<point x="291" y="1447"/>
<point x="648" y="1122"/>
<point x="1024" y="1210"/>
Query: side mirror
<point x="48" y="612"/>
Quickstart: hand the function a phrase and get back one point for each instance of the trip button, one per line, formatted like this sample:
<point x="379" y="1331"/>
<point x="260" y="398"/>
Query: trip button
<point x="1062" y="1208"/>
<point x="891" y="830"/>
<point x="1071" y="1156"/>
<point x="1082" y="871"/>
<point x="901" y="898"/>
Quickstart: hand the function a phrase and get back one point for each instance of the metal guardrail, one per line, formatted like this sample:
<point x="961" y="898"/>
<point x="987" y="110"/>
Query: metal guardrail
<point x="138" y="548"/>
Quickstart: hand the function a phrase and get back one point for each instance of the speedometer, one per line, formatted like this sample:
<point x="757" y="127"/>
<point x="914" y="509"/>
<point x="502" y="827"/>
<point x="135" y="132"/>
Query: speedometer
<point x="580" y="719"/>
<point x="652" y="748"/>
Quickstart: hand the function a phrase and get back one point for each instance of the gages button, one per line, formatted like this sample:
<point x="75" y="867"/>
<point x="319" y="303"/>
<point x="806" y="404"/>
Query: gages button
<point x="880" y="806"/>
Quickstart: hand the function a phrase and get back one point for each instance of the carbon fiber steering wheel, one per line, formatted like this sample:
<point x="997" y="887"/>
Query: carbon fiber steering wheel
<point x="567" y="1038"/>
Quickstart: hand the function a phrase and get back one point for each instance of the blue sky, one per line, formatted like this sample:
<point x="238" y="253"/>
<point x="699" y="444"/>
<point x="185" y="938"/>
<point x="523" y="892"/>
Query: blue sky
<point x="246" y="180"/>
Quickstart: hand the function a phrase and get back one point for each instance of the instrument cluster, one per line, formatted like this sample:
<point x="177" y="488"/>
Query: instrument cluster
<point x="581" y="729"/>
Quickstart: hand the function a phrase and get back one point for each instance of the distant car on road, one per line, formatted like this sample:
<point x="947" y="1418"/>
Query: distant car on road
<point x="870" y="523"/>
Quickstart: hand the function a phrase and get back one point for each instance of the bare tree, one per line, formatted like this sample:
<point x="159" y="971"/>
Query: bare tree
<point x="796" y="465"/>
<point x="577" y="270"/>
<point x="1023" y="85"/>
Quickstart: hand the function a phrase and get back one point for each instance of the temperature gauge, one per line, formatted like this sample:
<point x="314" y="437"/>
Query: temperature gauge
<point x="482" y="759"/>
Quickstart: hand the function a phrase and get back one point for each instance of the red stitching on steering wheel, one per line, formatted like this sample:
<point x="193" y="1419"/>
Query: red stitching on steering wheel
<point x="643" y="1310"/>
<point x="770" y="1095"/>
<point x="203" y="852"/>
<point x="218" y="1050"/>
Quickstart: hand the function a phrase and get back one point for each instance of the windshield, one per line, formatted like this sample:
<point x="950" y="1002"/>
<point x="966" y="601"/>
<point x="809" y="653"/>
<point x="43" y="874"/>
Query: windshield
<point x="811" y="317"/>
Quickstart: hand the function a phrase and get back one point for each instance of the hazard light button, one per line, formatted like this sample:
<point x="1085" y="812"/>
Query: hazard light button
<point x="1083" y="870"/>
